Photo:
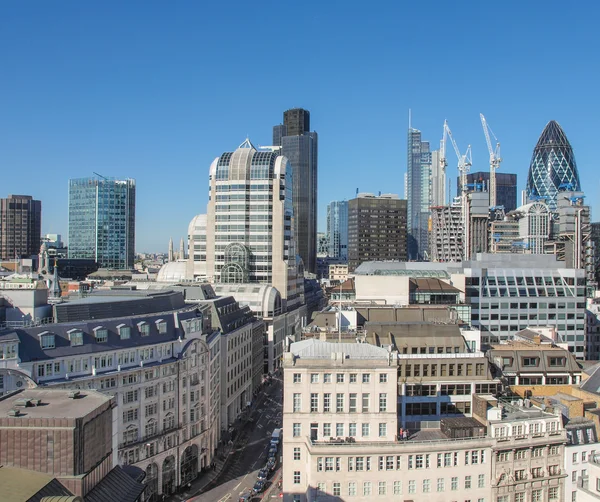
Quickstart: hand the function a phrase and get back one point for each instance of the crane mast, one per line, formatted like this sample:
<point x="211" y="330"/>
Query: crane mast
<point x="464" y="164"/>
<point x="495" y="158"/>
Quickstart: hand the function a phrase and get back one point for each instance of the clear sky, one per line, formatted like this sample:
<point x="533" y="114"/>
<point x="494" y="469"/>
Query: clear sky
<point x="156" y="90"/>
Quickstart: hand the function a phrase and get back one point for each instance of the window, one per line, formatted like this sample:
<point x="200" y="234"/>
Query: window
<point x="520" y="497"/>
<point x="397" y="487"/>
<point x="530" y="361"/>
<point x="536" y="495"/>
<point x="326" y="403"/>
<point x="440" y="484"/>
<point x="296" y="477"/>
<point x="537" y="452"/>
<point x="520" y="454"/>
<point x="365" y="403"/>
<point x="161" y="326"/>
<point x="536" y="472"/>
<point x="327" y="377"/>
<point x="314" y="378"/>
<point x="367" y="488"/>
<point x="339" y="430"/>
<point x="454" y="484"/>
<point x="75" y="337"/>
<point x="575" y="457"/>
<point x="519" y="474"/>
<point x="327" y="429"/>
<point x="381" y="488"/>
<point x="553" y="493"/>
<point x="339" y="378"/>
<point x="554" y="450"/>
<point x="101" y="334"/>
<point x="382" y="430"/>
<point x="353" y="377"/>
<point x="296" y="430"/>
<point x="481" y="481"/>
<point x="502" y="498"/>
<point x="297" y="402"/>
<point x="314" y="402"/>
<point x="130" y="415"/>
<point x="426" y="485"/>
<point x="143" y="328"/>
<point x="383" y="402"/>
<point x="352" y="488"/>
<point x="366" y="429"/>
<point x="124" y="331"/>
<point x="467" y="482"/>
<point x="383" y="378"/>
<point x="337" y="489"/>
<point x="389" y="463"/>
<point x="130" y="396"/>
<point x="339" y="403"/>
<point x="412" y="486"/>
<point x="352" y="430"/>
<point x="296" y="453"/>
<point x="360" y="463"/>
<point x="366" y="378"/>
<point x="46" y="340"/>
<point x="297" y="378"/>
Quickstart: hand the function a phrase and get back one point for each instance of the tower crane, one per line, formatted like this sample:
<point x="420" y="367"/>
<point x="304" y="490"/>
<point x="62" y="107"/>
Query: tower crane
<point x="464" y="165"/>
<point x="495" y="158"/>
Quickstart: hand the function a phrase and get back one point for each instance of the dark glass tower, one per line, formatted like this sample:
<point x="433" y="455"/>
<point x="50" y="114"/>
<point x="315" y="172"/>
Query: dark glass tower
<point x="506" y="187"/>
<point x="300" y="146"/>
<point x="552" y="165"/>
<point x="20" y="227"/>
<point x="418" y="194"/>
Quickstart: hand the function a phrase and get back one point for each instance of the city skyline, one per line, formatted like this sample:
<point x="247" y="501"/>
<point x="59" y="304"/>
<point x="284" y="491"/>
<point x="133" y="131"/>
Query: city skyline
<point x="144" y="108"/>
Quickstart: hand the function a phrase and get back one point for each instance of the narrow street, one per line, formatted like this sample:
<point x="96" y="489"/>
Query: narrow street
<point x="249" y="454"/>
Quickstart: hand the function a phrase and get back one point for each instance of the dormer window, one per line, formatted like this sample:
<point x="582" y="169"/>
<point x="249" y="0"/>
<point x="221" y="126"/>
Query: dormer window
<point x="144" y="328"/>
<point x="557" y="361"/>
<point x="47" y="340"/>
<point x="75" y="337"/>
<point x="101" y="334"/>
<point x="161" y="326"/>
<point x="124" y="331"/>
<point x="530" y="361"/>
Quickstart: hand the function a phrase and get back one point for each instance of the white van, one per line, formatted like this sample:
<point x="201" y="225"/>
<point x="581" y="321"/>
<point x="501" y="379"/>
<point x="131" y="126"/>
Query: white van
<point x="276" y="437"/>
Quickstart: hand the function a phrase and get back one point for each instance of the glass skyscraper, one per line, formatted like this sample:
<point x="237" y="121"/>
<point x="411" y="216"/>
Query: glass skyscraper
<point x="552" y="165"/>
<point x="337" y="229"/>
<point x="102" y="221"/>
<point x="300" y="146"/>
<point x="418" y="194"/>
<point x="506" y="187"/>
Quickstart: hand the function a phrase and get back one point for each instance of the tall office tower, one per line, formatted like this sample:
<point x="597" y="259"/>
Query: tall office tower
<point x="337" y="229"/>
<point x="419" y="194"/>
<point x="20" y="227"/>
<point x="300" y="146"/>
<point x="438" y="180"/>
<point x="552" y="166"/>
<point x="377" y="229"/>
<point x="102" y="221"/>
<point x="506" y="187"/>
<point x="249" y="225"/>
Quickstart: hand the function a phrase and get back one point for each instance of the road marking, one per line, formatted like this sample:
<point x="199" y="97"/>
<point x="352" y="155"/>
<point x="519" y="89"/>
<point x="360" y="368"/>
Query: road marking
<point x="226" y="497"/>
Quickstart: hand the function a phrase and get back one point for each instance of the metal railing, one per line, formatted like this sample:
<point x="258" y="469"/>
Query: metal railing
<point x="29" y="323"/>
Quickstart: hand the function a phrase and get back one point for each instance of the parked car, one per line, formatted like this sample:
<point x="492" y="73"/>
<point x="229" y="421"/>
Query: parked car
<point x="271" y="464"/>
<point x="272" y="451"/>
<point x="263" y="474"/>
<point x="245" y="497"/>
<point x="259" y="486"/>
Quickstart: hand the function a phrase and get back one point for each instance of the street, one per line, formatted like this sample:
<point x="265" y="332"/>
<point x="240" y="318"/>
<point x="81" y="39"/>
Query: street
<point x="249" y="453"/>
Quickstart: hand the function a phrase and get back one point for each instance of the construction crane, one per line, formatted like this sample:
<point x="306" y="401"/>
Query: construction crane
<point x="495" y="158"/>
<point x="464" y="165"/>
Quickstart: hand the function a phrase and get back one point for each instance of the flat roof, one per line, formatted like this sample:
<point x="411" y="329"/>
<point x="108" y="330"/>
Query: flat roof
<point x="22" y="484"/>
<point x="54" y="403"/>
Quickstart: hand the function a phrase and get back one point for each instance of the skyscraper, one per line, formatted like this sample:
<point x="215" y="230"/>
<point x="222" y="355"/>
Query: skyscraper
<point x="300" y="146"/>
<point x="552" y="165"/>
<point x="102" y="221"/>
<point x="506" y="187"/>
<point x="20" y="227"/>
<point x="419" y="194"/>
<point x="249" y="225"/>
<point x="337" y="229"/>
<point x="376" y="229"/>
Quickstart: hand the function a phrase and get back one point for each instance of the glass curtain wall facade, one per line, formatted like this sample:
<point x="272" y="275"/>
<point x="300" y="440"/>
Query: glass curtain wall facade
<point x="418" y="194"/>
<point x="300" y="146"/>
<point x="337" y="229"/>
<point x="20" y="227"/>
<point x="102" y="221"/>
<point x="506" y="187"/>
<point x="552" y="166"/>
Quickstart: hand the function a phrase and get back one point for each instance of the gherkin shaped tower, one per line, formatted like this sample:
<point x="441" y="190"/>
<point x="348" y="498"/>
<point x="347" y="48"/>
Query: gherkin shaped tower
<point x="552" y="165"/>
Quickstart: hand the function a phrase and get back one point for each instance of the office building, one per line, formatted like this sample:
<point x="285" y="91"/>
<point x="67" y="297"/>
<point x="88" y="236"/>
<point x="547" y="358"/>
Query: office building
<point x="337" y="229"/>
<point x="552" y="166"/>
<point x="418" y="195"/>
<point x="506" y="187"/>
<point x="377" y="227"/>
<point x="300" y="146"/>
<point x="102" y="221"/>
<point x="438" y="180"/>
<point x="322" y="245"/>
<point x="20" y="227"/>
<point x="250" y="222"/>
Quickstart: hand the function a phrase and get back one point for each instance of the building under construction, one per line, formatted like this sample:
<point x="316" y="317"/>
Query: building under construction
<point x="446" y="233"/>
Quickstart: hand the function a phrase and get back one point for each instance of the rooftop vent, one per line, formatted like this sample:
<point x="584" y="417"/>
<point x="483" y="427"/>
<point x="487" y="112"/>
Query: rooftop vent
<point x="23" y="402"/>
<point x="13" y="413"/>
<point x="74" y="394"/>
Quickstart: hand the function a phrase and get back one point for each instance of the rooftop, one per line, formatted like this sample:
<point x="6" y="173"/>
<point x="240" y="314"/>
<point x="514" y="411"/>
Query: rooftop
<point x="53" y="403"/>
<point x="20" y="485"/>
<point x="317" y="349"/>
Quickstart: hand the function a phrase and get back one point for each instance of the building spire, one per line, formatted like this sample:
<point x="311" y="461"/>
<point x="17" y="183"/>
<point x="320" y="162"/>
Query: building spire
<point x="170" y="249"/>
<point x="181" y="250"/>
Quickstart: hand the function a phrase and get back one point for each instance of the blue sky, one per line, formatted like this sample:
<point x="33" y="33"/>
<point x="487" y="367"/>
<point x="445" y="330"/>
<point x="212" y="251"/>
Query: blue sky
<point x="156" y="90"/>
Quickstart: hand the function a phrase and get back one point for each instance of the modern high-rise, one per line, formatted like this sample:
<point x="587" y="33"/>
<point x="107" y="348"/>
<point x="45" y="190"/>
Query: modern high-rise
<point x="419" y="194"/>
<point x="300" y="146"/>
<point x="250" y="222"/>
<point x="337" y="229"/>
<point x="376" y="229"/>
<point x="102" y="221"/>
<point x="438" y="180"/>
<point x="506" y="187"/>
<point x="552" y="166"/>
<point x="20" y="227"/>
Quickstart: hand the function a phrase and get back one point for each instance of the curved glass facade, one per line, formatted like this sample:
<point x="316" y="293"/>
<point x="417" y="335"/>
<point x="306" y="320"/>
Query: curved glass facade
<point x="552" y="165"/>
